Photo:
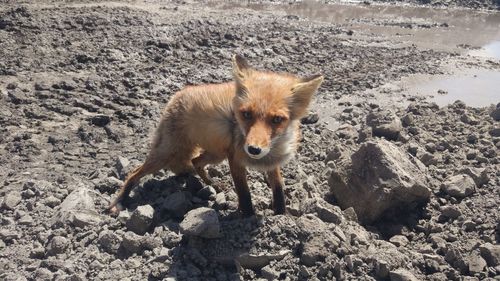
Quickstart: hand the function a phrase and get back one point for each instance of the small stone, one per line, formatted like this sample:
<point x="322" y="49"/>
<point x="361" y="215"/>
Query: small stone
<point x="399" y="240"/>
<point x="177" y="204"/>
<point x="269" y="273"/>
<point x="108" y="185"/>
<point x="451" y="212"/>
<point x="109" y="241"/>
<point x="132" y="243"/>
<point x="57" y="245"/>
<point x="310" y="119"/>
<point x="459" y="186"/>
<point x="408" y="120"/>
<point x="206" y="193"/>
<point x="100" y="120"/>
<point x="202" y="222"/>
<point x="51" y="201"/>
<point x="43" y="274"/>
<point x="141" y="219"/>
<point x="495" y="114"/>
<point x="491" y="253"/>
<point x="469" y="225"/>
<point x="122" y="166"/>
<point x="11" y="200"/>
<point x="428" y="159"/>
<point x="476" y="264"/>
<point x="402" y="275"/>
<point x="85" y="218"/>
<point x="384" y="124"/>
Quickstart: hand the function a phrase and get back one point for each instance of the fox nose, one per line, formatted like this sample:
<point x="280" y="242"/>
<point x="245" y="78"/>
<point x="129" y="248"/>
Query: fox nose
<point x="254" y="150"/>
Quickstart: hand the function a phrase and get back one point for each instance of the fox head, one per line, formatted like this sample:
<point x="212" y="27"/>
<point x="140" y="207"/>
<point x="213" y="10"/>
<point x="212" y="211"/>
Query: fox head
<point x="266" y="103"/>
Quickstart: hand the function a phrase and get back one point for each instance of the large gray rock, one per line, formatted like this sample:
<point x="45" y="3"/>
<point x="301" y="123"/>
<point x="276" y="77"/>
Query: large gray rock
<point x="384" y="124"/>
<point x="141" y="219"/>
<point x="459" y="186"/>
<point x="77" y="209"/>
<point x="380" y="176"/>
<point x="202" y="222"/>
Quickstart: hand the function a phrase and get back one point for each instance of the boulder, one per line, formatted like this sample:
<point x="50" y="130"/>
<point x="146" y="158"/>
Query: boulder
<point x="379" y="177"/>
<point x="201" y="222"/>
<point x="57" y="245"/>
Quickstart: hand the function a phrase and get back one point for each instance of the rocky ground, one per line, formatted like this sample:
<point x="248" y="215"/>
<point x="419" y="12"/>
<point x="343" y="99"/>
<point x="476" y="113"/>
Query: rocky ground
<point x="396" y="192"/>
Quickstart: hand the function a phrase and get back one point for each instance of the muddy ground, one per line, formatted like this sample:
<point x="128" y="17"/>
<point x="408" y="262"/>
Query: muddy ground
<point x="81" y="89"/>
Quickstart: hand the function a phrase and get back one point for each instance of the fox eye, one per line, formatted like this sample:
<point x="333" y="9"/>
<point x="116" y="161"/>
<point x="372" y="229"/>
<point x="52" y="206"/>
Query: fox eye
<point x="247" y="115"/>
<point x="277" y="119"/>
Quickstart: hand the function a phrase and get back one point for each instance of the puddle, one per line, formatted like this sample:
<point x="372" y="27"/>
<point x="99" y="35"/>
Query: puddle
<point x="490" y="50"/>
<point x="477" y="88"/>
<point x="438" y="29"/>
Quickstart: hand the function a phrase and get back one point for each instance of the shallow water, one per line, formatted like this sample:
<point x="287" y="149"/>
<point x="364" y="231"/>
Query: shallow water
<point x="464" y="31"/>
<point x="478" y="88"/>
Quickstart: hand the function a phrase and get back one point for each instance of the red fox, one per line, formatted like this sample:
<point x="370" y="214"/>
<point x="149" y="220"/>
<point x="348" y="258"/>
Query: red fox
<point x="252" y="122"/>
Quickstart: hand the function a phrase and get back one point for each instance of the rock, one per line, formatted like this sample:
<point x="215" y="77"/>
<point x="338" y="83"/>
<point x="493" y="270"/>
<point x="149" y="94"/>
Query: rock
<point x="491" y="253"/>
<point x="326" y="212"/>
<point x="495" y="132"/>
<point x="202" y="222"/>
<point x="109" y="241"/>
<point x="380" y="177"/>
<point x="384" y="124"/>
<point x="311" y="118"/>
<point x="77" y="208"/>
<point x="100" y="120"/>
<point x="132" y="243"/>
<point x="108" y="185"/>
<point x="141" y="219"/>
<point x="459" y="186"/>
<point x="57" y="245"/>
<point x="85" y="218"/>
<point x="269" y="273"/>
<point x="11" y="200"/>
<point x="206" y="193"/>
<point x="399" y="240"/>
<point x="177" y="204"/>
<point x="479" y="175"/>
<point x="476" y="263"/>
<point x="122" y="166"/>
<point x="318" y="247"/>
<point x="347" y="131"/>
<point x="43" y="274"/>
<point x="428" y="159"/>
<point x="495" y="114"/>
<point x="469" y="119"/>
<point x="8" y="235"/>
<point x="258" y="261"/>
<point x="451" y="212"/>
<point x="193" y="184"/>
<point x="408" y="120"/>
<point x="402" y="275"/>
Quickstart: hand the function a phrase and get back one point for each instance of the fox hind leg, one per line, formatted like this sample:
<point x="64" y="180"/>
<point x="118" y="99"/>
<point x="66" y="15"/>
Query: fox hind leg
<point x="133" y="178"/>
<point x="201" y="161"/>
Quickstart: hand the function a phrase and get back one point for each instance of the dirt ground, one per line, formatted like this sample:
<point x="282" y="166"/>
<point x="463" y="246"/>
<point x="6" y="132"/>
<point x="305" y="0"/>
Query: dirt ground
<point x="82" y="85"/>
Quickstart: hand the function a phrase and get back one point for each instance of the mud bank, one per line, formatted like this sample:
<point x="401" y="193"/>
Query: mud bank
<point x="81" y="89"/>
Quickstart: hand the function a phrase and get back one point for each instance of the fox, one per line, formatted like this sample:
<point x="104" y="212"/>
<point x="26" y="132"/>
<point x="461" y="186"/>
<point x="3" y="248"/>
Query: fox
<point x="252" y="122"/>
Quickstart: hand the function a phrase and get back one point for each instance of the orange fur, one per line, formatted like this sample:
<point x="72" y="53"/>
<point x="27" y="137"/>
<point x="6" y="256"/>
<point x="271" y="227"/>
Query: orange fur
<point x="206" y="124"/>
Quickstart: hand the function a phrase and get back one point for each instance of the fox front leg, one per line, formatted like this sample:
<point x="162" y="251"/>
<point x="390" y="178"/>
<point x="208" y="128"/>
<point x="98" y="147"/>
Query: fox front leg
<point x="275" y="181"/>
<point x="239" y="174"/>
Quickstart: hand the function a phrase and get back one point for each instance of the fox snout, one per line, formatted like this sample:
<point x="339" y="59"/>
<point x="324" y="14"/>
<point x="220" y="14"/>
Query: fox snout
<point x="258" y="141"/>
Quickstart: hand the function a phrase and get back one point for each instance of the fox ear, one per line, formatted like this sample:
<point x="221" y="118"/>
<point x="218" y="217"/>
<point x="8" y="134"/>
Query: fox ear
<point x="302" y="94"/>
<point x="240" y="68"/>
